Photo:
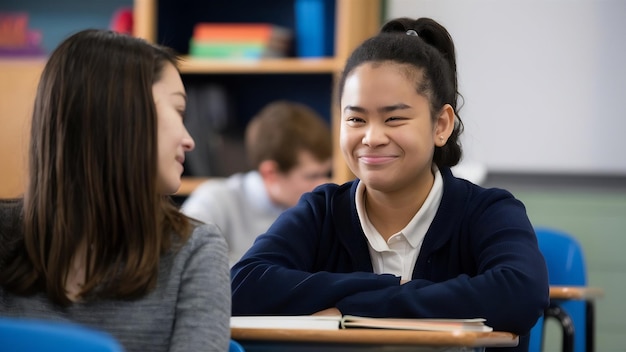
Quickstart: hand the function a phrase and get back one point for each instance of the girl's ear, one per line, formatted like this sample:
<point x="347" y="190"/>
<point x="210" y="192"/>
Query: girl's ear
<point x="444" y="125"/>
<point x="268" y="170"/>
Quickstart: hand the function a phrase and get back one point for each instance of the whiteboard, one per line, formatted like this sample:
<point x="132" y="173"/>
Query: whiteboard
<point x="544" y="81"/>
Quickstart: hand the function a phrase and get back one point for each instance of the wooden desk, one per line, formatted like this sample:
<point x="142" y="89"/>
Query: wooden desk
<point x="275" y="340"/>
<point x="581" y="293"/>
<point x="576" y="292"/>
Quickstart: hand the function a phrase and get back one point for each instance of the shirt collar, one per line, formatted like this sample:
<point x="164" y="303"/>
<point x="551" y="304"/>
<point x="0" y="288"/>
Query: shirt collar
<point x="416" y="229"/>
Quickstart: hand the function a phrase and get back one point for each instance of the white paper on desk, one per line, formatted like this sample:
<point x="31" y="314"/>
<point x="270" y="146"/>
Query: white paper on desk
<point x="307" y="322"/>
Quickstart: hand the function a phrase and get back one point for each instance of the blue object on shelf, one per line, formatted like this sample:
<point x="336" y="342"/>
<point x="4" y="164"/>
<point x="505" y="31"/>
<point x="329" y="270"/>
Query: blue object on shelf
<point x="315" y="27"/>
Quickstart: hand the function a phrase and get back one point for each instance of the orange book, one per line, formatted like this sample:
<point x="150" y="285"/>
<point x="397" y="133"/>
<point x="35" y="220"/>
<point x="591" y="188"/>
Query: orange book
<point x="239" y="32"/>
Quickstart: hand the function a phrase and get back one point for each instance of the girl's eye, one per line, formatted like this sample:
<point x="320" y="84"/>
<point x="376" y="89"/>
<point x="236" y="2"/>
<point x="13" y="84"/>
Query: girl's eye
<point x="354" y="119"/>
<point x="395" y="119"/>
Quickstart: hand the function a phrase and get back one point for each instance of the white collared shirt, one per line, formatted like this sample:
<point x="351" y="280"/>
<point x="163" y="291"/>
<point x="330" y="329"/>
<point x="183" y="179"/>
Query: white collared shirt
<point x="398" y="255"/>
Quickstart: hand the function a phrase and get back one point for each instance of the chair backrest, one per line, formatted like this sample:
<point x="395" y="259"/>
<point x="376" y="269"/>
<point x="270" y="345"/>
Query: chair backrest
<point x="235" y="347"/>
<point x="564" y="257"/>
<point x="566" y="265"/>
<point x="25" y="335"/>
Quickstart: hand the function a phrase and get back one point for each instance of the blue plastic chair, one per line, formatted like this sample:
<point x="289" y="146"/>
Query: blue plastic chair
<point x="26" y="335"/>
<point x="566" y="267"/>
<point x="235" y="347"/>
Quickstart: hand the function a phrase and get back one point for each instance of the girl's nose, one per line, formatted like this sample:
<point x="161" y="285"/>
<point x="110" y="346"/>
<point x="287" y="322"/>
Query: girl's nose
<point x="188" y="143"/>
<point x="375" y="136"/>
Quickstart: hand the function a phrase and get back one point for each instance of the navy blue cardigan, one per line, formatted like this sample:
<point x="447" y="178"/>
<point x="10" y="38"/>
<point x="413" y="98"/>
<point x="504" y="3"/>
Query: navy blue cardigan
<point x="479" y="259"/>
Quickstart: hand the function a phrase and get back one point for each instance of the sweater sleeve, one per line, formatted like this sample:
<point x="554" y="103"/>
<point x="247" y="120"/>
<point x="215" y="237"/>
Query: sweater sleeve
<point x="297" y="267"/>
<point x="203" y="309"/>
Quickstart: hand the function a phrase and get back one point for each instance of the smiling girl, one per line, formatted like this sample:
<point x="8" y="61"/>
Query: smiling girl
<point x="406" y="238"/>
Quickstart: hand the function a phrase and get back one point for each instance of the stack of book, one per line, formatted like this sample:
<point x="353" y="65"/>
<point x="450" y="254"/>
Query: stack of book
<point x="16" y="39"/>
<point x="239" y="41"/>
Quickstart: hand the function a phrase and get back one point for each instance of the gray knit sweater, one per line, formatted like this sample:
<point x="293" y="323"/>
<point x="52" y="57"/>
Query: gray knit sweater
<point x="188" y="311"/>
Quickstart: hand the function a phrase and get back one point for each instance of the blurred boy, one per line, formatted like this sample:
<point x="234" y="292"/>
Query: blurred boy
<point x="289" y="148"/>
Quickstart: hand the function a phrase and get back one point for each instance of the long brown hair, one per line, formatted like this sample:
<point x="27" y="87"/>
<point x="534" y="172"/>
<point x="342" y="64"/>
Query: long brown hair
<point x="93" y="169"/>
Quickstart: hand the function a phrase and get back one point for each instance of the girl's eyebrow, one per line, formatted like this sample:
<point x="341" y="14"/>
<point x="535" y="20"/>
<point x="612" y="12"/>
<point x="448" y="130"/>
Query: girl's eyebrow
<point x="390" y="108"/>
<point x="384" y="109"/>
<point x="354" y="108"/>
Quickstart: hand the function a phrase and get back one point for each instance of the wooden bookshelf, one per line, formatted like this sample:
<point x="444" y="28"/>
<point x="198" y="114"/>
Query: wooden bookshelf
<point x="355" y="20"/>
<point x="20" y="77"/>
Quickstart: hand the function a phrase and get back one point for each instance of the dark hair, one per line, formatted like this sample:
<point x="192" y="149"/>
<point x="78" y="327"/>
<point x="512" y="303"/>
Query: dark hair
<point x="282" y="129"/>
<point x="93" y="172"/>
<point x="431" y="54"/>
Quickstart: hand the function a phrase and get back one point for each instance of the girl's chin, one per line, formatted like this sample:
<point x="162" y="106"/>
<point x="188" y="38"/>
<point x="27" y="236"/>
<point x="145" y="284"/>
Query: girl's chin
<point x="169" y="188"/>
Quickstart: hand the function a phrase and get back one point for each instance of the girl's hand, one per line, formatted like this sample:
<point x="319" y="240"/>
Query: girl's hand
<point x="329" y="311"/>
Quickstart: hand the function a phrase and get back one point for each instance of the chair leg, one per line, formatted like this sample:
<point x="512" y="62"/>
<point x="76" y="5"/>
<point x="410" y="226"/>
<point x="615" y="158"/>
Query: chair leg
<point x="590" y="333"/>
<point x="566" y="323"/>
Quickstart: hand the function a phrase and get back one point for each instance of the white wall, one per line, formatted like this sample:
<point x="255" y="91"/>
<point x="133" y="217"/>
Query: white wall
<point x="544" y="81"/>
